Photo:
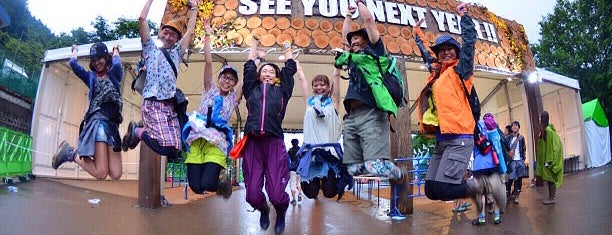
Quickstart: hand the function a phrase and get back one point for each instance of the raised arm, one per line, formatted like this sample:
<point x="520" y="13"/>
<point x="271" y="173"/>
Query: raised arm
<point x="188" y="37"/>
<point x="426" y="53"/>
<point x="336" y="88"/>
<point x="116" y="66"/>
<point x="367" y="17"/>
<point x="465" y="68"/>
<point x="145" y="32"/>
<point x="303" y="82"/>
<point x="208" y="57"/>
<point x="346" y="26"/>
<point x="253" y="53"/>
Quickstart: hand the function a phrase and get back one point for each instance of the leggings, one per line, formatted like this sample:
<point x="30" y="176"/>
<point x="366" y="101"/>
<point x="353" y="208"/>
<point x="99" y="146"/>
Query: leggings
<point x="436" y="190"/>
<point x="168" y="151"/>
<point x="518" y="185"/>
<point x="203" y="177"/>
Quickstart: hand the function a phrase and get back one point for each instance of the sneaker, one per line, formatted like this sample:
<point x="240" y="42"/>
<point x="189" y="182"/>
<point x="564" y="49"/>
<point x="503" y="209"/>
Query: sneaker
<point x="130" y="140"/>
<point x="225" y="185"/>
<point x="516" y="199"/>
<point x="300" y="198"/>
<point x="356" y="169"/>
<point x="64" y="154"/>
<point x="549" y="201"/>
<point x="497" y="220"/>
<point x="459" y="209"/>
<point x="479" y="221"/>
<point x="293" y="202"/>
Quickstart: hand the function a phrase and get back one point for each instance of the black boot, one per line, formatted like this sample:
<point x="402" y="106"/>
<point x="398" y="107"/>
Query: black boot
<point x="279" y="227"/>
<point x="264" y="219"/>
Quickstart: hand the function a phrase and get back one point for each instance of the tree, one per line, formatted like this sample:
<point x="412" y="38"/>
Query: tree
<point x="576" y="42"/>
<point x="103" y="33"/>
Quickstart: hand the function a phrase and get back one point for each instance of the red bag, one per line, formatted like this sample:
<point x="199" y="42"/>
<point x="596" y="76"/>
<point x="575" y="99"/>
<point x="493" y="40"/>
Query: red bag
<point x="237" y="150"/>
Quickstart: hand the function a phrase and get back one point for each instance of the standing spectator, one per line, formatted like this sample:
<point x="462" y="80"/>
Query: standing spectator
<point x="447" y="115"/>
<point x="294" y="178"/>
<point x="517" y="153"/>
<point x="208" y="133"/>
<point x="99" y="144"/>
<point x="160" y="129"/>
<point x="367" y="144"/>
<point x="267" y="92"/>
<point x="549" y="158"/>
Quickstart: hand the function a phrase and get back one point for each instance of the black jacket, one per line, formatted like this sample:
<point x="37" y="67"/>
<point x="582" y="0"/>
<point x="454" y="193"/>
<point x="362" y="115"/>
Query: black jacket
<point x="270" y="99"/>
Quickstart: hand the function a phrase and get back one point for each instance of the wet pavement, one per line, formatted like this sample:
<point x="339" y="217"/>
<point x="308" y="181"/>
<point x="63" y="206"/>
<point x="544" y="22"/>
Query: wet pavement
<point x="48" y="206"/>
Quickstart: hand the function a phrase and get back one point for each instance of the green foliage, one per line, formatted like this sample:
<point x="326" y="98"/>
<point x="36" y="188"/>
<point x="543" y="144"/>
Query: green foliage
<point x="421" y="142"/>
<point x="576" y="42"/>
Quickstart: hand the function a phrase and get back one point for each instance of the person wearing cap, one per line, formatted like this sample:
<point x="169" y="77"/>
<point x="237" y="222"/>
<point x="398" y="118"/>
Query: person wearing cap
<point x="444" y="112"/>
<point x="322" y="169"/>
<point x="99" y="143"/>
<point x="207" y="133"/>
<point x="267" y="91"/>
<point x="160" y="128"/>
<point x="367" y="143"/>
<point x="549" y="157"/>
<point x="518" y="169"/>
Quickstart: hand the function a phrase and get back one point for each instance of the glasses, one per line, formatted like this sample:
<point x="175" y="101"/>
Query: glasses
<point x="227" y="78"/>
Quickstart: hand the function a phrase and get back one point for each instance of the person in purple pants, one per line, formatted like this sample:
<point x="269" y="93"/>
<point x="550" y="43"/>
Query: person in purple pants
<point x="267" y="92"/>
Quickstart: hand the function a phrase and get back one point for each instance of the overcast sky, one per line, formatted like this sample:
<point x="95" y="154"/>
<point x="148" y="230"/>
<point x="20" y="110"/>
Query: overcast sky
<point x="59" y="15"/>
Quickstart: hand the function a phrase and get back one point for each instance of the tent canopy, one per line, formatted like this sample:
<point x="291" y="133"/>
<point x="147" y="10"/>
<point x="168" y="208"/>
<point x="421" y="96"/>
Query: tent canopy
<point x="592" y="110"/>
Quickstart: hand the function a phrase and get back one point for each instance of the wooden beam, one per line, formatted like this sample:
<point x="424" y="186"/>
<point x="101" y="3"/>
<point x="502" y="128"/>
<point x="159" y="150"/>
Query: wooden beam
<point x="535" y="107"/>
<point x="149" y="193"/>
<point x="401" y="146"/>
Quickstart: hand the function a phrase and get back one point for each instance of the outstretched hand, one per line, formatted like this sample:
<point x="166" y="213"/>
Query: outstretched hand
<point x="462" y="9"/>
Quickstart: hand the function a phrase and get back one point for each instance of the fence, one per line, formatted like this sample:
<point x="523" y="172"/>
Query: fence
<point x="15" y="155"/>
<point x="15" y="81"/>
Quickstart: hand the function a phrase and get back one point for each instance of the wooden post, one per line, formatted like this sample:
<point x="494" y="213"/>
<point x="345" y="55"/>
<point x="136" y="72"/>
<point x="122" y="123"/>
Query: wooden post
<point x="149" y="194"/>
<point x="401" y="145"/>
<point x="535" y="107"/>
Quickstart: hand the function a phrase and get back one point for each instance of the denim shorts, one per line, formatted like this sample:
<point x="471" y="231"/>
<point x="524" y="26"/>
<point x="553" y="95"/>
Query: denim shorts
<point x="101" y="134"/>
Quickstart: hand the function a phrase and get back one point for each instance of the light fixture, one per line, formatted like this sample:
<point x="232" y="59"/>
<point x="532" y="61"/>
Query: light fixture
<point x="533" y="77"/>
<point x="423" y="67"/>
<point x="509" y="79"/>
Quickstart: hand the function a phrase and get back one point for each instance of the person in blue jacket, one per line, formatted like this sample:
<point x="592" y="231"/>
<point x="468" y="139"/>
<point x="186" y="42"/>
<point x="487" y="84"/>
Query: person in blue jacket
<point x="488" y="168"/>
<point x="99" y="144"/>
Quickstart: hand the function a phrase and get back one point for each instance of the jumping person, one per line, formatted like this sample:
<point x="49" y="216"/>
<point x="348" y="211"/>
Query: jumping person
<point x="321" y="126"/>
<point x="208" y="134"/>
<point x="160" y="129"/>
<point x="267" y="92"/>
<point x="489" y="166"/>
<point x="447" y="116"/>
<point x="367" y="143"/>
<point x="99" y="144"/>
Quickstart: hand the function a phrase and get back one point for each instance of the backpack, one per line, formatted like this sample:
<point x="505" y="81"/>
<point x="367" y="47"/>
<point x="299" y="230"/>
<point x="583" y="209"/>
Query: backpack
<point x="393" y="80"/>
<point x="473" y="100"/>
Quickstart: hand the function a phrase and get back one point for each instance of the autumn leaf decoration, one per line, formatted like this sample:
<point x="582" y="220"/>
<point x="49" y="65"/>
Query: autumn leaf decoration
<point x="518" y="46"/>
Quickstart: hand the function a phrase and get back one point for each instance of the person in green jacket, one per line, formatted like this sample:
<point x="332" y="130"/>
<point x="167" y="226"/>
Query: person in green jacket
<point x="549" y="157"/>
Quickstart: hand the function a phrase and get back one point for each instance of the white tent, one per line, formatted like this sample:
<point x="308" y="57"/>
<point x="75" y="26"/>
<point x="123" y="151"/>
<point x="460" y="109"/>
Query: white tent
<point x="597" y="134"/>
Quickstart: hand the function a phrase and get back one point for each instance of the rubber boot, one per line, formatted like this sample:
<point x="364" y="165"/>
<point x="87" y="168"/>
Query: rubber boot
<point x="279" y="227"/>
<point x="264" y="219"/>
<point x="552" y="191"/>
